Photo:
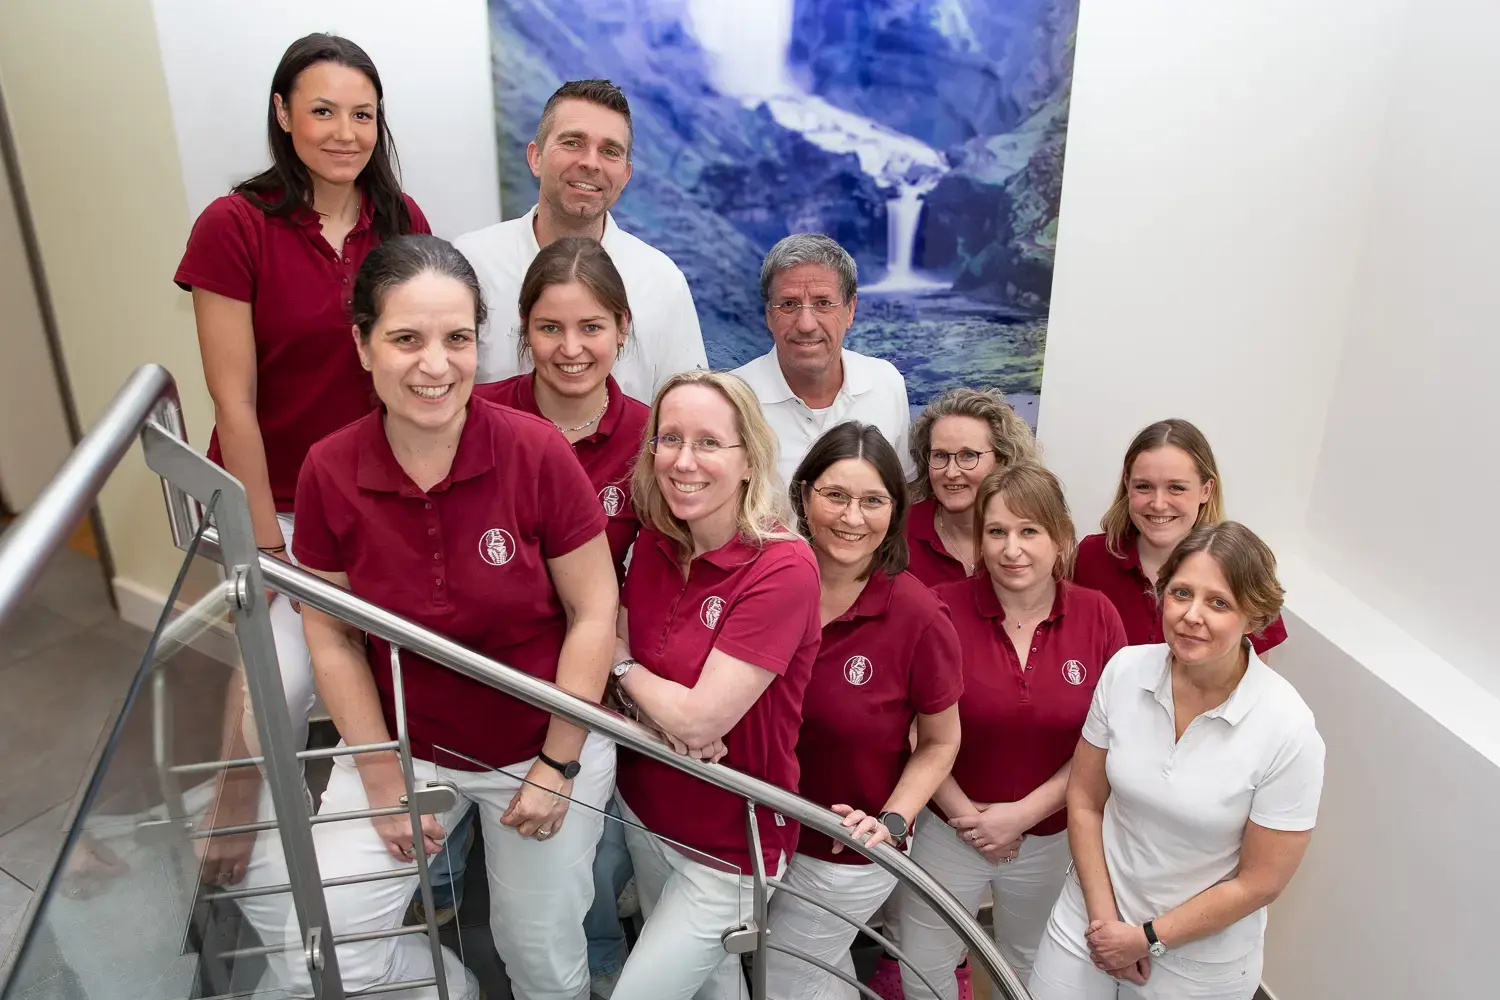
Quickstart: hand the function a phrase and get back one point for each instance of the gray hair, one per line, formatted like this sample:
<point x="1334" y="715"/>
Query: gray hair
<point x="809" y="248"/>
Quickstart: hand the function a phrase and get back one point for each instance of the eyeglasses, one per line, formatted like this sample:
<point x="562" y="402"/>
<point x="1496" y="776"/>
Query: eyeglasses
<point x="968" y="458"/>
<point x="701" y="446"/>
<point x="837" y="501"/>
<point x="823" y="307"/>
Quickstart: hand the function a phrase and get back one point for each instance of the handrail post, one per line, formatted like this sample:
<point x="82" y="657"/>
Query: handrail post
<point x="762" y="908"/>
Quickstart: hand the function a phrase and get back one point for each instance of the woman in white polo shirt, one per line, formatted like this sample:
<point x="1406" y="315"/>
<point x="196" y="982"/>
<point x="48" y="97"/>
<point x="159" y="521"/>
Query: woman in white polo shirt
<point x="1193" y="795"/>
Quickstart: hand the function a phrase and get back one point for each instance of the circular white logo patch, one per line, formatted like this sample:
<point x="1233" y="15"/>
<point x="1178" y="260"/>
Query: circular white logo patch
<point x="613" y="499"/>
<point x="858" y="670"/>
<point x="1075" y="673"/>
<point x="709" y="613"/>
<point x="496" y="547"/>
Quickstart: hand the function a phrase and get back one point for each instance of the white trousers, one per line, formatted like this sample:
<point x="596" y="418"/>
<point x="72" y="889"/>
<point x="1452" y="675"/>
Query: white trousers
<point x="294" y="660"/>
<point x="1024" y="891"/>
<point x="688" y="906"/>
<point x="857" y="890"/>
<point x="1063" y="970"/>
<point x="539" y="890"/>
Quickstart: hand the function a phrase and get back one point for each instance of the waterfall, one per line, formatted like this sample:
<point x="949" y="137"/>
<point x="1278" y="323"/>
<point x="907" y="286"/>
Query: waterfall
<point x="747" y="45"/>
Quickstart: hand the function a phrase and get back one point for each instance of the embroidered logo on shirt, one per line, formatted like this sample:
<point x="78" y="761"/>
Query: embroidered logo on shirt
<point x="709" y="613"/>
<point x="613" y="499"/>
<point x="1075" y="673"/>
<point x="496" y="547"/>
<point x="858" y="670"/>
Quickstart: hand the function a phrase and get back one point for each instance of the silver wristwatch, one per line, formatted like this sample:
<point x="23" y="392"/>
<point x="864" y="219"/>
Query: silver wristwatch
<point x="619" y="670"/>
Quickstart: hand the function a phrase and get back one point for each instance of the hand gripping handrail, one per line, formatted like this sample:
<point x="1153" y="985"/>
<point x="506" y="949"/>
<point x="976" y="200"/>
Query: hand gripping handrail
<point x="324" y="596"/>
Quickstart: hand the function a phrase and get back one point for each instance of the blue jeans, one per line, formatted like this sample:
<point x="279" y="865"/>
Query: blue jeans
<point x="607" y="949"/>
<point x="612" y="869"/>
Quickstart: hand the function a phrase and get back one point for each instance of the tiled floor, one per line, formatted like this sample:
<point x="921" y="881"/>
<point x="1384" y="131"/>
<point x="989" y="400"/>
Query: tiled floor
<point x="66" y="664"/>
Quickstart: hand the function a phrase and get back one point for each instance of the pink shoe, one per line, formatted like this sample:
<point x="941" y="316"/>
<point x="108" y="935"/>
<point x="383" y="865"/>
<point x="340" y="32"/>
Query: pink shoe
<point x="965" y="981"/>
<point x="887" y="979"/>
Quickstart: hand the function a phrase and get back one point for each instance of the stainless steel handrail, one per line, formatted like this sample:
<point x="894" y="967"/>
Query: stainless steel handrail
<point x="29" y="544"/>
<point x="318" y="593"/>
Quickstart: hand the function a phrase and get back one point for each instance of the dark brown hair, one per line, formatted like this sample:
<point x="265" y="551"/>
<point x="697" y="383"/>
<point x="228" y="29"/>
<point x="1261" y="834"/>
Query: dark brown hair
<point x="1246" y="562"/>
<point x="600" y="92"/>
<point x="564" y="261"/>
<point x="1177" y="434"/>
<point x="286" y="185"/>
<point x="397" y="261"/>
<point x="1033" y="493"/>
<point x="852" y="439"/>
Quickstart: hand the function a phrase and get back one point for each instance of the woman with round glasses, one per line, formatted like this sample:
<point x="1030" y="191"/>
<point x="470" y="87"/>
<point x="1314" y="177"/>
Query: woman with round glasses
<point x="962" y="436"/>
<point x="1034" y="646"/>
<point x="889" y="660"/>
<point x="717" y="631"/>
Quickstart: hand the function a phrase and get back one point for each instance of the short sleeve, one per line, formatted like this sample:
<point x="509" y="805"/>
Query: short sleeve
<point x="314" y="545"/>
<point x="569" y="512"/>
<point x="681" y="348"/>
<point x="1096" y="725"/>
<point x="1269" y="637"/>
<point x="937" y="669"/>
<point x="419" y="223"/>
<point x="222" y="251"/>
<point x="761" y="626"/>
<point x="1287" y="797"/>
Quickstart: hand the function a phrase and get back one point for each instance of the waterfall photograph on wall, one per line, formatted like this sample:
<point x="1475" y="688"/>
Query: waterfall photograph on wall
<point x="926" y="136"/>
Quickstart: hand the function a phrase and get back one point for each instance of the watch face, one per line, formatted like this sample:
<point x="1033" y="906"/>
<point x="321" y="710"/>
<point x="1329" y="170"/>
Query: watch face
<point x="570" y="771"/>
<point x="1158" y="950"/>
<point x="895" y="823"/>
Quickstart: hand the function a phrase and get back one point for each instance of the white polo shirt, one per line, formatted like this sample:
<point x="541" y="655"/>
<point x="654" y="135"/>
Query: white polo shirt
<point x="1176" y="814"/>
<point x="664" y="336"/>
<point x="873" y="393"/>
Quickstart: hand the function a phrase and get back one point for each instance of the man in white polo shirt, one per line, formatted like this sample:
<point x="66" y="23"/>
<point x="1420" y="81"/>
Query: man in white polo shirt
<point x="809" y="382"/>
<point x="581" y="157"/>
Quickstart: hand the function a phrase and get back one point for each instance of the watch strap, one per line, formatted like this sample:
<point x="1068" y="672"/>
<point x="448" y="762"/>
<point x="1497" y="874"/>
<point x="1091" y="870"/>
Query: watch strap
<point x="567" y="769"/>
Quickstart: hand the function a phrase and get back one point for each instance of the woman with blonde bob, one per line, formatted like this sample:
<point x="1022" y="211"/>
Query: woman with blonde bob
<point x="1193" y="794"/>
<point x="1169" y="485"/>
<point x="962" y="437"/>
<point x="1034" y="645"/>
<point x="718" y="628"/>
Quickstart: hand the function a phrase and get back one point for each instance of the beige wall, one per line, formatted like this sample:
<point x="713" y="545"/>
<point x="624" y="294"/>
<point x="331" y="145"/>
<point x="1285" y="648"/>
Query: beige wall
<point x="33" y="428"/>
<point x="84" y="87"/>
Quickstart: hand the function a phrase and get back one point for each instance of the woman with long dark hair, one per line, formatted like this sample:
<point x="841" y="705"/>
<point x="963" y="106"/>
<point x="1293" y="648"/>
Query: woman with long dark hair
<point x="271" y="267"/>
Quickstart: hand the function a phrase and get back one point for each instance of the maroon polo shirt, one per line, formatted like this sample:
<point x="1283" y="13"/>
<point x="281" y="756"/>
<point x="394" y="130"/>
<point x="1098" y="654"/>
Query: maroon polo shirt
<point x="1020" y="726"/>
<point x="892" y="656"/>
<point x="467" y="558"/>
<point x="757" y="604"/>
<point x="608" y="454"/>
<point x="929" y="562"/>
<point x="309" y="382"/>
<point x="1121" y="579"/>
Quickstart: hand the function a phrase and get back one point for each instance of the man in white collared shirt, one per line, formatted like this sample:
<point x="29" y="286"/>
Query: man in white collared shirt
<point x="809" y="382"/>
<point x="581" y="157"/>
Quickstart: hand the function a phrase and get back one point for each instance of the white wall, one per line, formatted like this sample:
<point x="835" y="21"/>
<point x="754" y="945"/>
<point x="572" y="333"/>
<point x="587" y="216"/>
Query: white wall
<point x="1214" y="205"/>
<point x="1405" y="500"/>
<point x="34" y="437"/>
<point x="1279" y="221"/>
<point x="434" y="62"/>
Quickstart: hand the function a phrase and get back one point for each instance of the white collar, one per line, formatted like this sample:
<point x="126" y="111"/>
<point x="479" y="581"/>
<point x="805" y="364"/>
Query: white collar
<point x="770" y="384"/>
<point x="1234" y="709"/>
<point x="530" y="239"/>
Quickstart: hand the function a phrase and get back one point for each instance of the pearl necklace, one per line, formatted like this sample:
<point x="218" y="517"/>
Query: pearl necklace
<point x="588" y="423"/>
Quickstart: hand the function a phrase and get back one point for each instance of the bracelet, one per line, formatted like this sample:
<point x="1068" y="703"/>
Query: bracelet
<point x="271" y="550"/>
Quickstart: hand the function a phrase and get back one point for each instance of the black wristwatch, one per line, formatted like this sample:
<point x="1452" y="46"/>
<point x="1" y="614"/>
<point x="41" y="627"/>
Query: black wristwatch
<point x="895" y="824"/>
<point x="1154" y="946"/>
<point x="569" y="770"/>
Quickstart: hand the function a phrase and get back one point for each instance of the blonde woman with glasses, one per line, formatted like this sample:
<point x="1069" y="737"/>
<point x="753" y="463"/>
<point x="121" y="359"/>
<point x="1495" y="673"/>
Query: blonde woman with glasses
<point x="718" y="628"/>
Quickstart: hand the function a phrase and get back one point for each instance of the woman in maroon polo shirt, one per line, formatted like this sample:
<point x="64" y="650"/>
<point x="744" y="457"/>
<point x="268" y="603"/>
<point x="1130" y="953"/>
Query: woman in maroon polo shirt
<point x="717" y="632"/>
<point x="1034" y="645"/>
<point x="575" y="321"/>
<point x="889" y="658"/>
<point x="962" y="436"/>
<point x="271" y="268"/>
<point x="474" y="520"/>
<point x="1169" y="484"/>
